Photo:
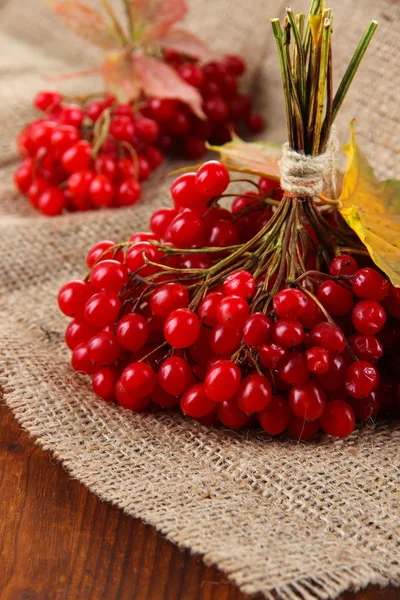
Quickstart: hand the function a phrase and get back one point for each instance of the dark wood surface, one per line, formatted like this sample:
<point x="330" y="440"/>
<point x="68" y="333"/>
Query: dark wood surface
<point x="59" y="542"/>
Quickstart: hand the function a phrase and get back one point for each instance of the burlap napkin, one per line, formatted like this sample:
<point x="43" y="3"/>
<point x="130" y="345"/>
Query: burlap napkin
<point x="281" y="518"/>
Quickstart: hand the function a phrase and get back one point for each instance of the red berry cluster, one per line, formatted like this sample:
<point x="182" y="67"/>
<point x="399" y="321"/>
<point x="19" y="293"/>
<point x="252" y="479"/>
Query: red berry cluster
<point x="226" y="108"/>
<point x="154" y="325"/>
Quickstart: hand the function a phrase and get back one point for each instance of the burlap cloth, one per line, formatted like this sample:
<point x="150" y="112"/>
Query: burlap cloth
<point x="285" y="519"/>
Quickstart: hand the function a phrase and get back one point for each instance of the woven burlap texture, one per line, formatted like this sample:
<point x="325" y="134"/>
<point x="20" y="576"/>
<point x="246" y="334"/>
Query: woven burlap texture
<point x="285" y="519"/>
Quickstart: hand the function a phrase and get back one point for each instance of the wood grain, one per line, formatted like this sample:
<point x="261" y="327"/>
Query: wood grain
<point x="59" y="542"/>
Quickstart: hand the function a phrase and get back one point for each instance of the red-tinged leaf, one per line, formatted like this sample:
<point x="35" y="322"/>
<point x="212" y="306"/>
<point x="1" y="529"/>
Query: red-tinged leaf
<point x="154" y="18"/>
<point x="121" y="77"/>
<point x="257" y="158"/>
<point x="161" y="81"/>
<point x="187" y="43"/>
<point x="86" y="22"/>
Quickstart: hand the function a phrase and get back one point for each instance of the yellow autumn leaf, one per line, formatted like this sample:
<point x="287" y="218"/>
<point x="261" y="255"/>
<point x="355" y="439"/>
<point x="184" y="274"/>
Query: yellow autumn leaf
<point x="256" y="158"/>
<point x="372" y="209"/>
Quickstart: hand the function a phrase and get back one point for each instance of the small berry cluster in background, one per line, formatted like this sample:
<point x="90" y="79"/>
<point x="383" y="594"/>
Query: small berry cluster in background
<point x="96" y="154"/>
<point x="192" y="315"/>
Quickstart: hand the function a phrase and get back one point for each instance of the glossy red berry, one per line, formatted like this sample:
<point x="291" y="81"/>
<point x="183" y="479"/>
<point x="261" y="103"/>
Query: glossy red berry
<point x="103" y="348"/>
<point x="287" y="333"/>
<point x="270" y="355"/>
<point x="367" y="408"/>
<point x="222" y="381"/>
<point x="361" y="379"/>
<point x="254" y="393"/>
<point x="392" y="303"/>
<point x="231" y="416"/>
<point x="80" y="360"/>
<point x="307" y="401"/>
<point x="77" y="157"/>
<point x="51" y="202"/>
<point x="161" y="219"/>
<point x="78" y="332"/>
<point x="334" y="378"/>
<point x="182" y="328"/>
<point x="328" y="336"/>
<point x="195" y="402"/>
<point x="300" y="429"/>
<point x="317" y="360"/>
<point x="366" y="347"/>
<point x="290" y="303"/>
<point x="225" y="341"/>
<point x="368" y="317"/>
<point x="122" y="128"/>
<point x="175" y="375"/>
<point x="73" y="296"/>
<point x="232" y="312"/>
<point x="104" y="381"/>
<point x="104" y="250"/>
<point x="335" y="297"/>
<point x="187" y="229"/>
<point x="240" y="283"/>
<point x="222" y="233"/>
<point x="292" y="368"/>
<point x="368" y="284"/>
<point x="102" y="309"/>
<point x="146" y="130"/>
<point x="186" y="194"/>
<point x="275" y="417"/>
<point x="212" y="178"/>
<point x="338" y="419"/>
<point x="168" y="297"/>
<point x="132" y="332"/>
<point x="109" y="275"/>
<point x="208" y="307"/>
<point x="129" y="399"/>
<point x="257" y="330"/>
<point x="129" y="192"/>
<point x="47" y="99"/>
<point x="344" y="264"/>
<point x="101" y="191"/>
<point x="139" y="378"/>
<point x="135" y="258"/>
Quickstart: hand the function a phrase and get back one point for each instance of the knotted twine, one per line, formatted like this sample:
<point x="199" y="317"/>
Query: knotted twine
<point x="304" y="175"/>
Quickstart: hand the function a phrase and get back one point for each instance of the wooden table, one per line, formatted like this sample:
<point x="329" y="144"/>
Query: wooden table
<point x="59" y="542"/>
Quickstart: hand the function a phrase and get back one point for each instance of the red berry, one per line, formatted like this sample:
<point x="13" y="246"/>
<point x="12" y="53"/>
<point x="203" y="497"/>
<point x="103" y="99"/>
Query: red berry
<point x="104" y="250"/>
<point x="275" y="418"/>
<point x="128" y="192"/>
<point x="63" y="137"/>
<point x="194" y="147"/>
<point x="103" y="348"/>
<point x="392" y="303"/>
<point x="335" y="297"/>
<point x="328" y="336"/>
<point x="102" y="309"/>
<point x="77" y="157"/>
<point x="234" y="64"/>
<point x="317" y="360"/>
<point x="104" y="381"/>
<point x="104" y="164"/>
<point x="232" y="312"/>
<point x="300" y="429"/>
<point x="207" y="309"/>
<point x="195" y="402"/>
<point x="231" y="416"/>
<point x="154" y="156"/>
<point x="161" y="219"/>
<point x="162" y="109"/>
<point x="212" y="178"/>
<point x="51" y="202"/>
<point x="334" y="378"/>
<point x="361" y="379"/>
<point x="139" y="378"/>
<point x="182" y="328"/>
<point x="344" y="264"/>
<point x="254" y="393"/>
<point x="135" y="259"/>
<point x="290" y="303"/>
<point x="168" y="297"/>
<point x="225" y="341"/>
<point x="287" y="333"/>
<point x="71" y="114"/>
<point x="187" y="229"/>
<point x="366" y="347"/>
<point x="109" y="275"/>
<point x="307" y="401"/>
<point x="216" y="109"/>
<point x="192" y="74"/>
<point x="146" y="130"/>
<point x="222" y="233"/>
<point x="222" y="381"/>
<point x="80" y="360"/>
<point x="129" y="399"/>
<point x="257" y="330"/>
<point x="101" y="191"/>
<point x="240" y="283"/>
<point x="162" y="398"/>
<point x="255" y="123"/>
<point x="368" y="317"/>
<point x="47" y="100"/>
<point x="312" y="314"/>
<point x="270" y="355"/>
<point x="78" y="332"/>
<point x="292" y="369"/>
<point x="368" y="284"/>
<point x="338" y="419"/>
<point x="73" y="296"/>
<point x="132" y="332"/>
<point x="95" y="109"/>
<point x="175" y="375"/>
<point x="186" y="194"/>
<point x="23" y="176"/>
<point x="122" y="128"/>
<point x="366" y="408"/>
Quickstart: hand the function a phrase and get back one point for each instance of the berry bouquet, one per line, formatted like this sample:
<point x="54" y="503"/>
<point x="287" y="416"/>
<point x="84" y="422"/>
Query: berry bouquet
<point x="282" y="311"/>
<point x="165" y="92"/>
